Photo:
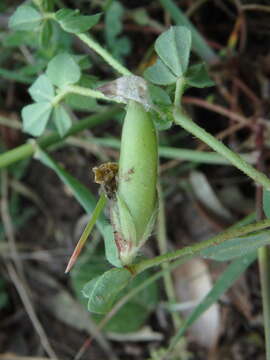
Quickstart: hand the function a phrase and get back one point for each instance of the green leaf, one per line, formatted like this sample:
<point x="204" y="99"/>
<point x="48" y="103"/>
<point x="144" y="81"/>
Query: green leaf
<point x="197" y="76"/>
<point x="64" y="14"/>
<point x="42" y="89"/>
<point x="72" y="22"/>
<point x="91" y="265"/>
<point x="173" y="47"/>
<point x="33" y="69"/>
<point x="35" y="117"/>
<point x="25" y="18"/>
<point x="103" y="290"/>
<point x="45" y="34"/>
<point x="159" y="74"/>
<point x="266" y="203"/>
<point x="119" y="46"/>
<point x="237" y="247"/>
<point x="158" y="95"/>
<point x="83" y="61"/>
<point x="224" y="282"/>
<point x="20" y="37"/>
<point x="62" y="120"/>
<point x="113" y="22"/>
<point x="88" y="202"/>
<point x="63" y="70"/>
<point x="141" y="17"/>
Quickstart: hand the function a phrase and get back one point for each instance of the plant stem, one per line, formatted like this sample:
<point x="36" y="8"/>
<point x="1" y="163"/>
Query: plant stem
<point x="104" y="54"/>
<point x="26" y="150"/>
<point x="179" y="90"/>
<point x="162" y="244"/>
<point x="75" y="89"/>
<point x="118" y="305"/>
<point x="197" y="248"/>
<point x="199" y="45"/>
<point x="80" y="90"/>
<point x="264" y="265"/>
<point x="184" y="121"/>
<point x="205" y="157"/>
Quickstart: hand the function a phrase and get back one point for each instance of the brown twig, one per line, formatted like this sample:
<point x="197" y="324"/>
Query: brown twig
<point x="255" y="7"/>
<point x="216" y="108"/>
<point x="18" y="269"/>
<point x="30" y="310"/>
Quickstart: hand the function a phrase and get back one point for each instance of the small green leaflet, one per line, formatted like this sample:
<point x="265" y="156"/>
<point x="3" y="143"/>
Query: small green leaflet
<point x="158" y="95"/>
<point x="63" y="70"/>
<point x="103" y="290"/>
<point x="35" y="117"/>
<point x="113" y="22"/>
<point x="71" y="21"/>
<point x="42" y="89"/>
<point x="61" y="120"/>
<point x="93" y="264"/>
<point x="25" y="18"/>
<point x="118" y="45"/>
<point x="237" y="247"/>
<point x="159" y="74"/>
<point x="173" y="47"/>
<point x="45" y="35"/>
<point x="197" y="76"/>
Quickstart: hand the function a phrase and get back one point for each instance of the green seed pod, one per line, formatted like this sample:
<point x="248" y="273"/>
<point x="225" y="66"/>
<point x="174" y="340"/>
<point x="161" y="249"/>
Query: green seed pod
<point x="134" y="210"/>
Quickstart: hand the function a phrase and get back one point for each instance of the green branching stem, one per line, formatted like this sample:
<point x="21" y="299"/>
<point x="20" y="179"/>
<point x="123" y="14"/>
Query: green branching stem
<point x="162" y="243"/>
<point x="80" y="90"/>
<point x="184" y="121"/>
<point x="92" y="44"/>
<point x="179" y="90"/>
<point x="197" y="248"/>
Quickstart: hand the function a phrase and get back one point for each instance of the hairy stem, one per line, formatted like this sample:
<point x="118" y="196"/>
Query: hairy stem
<point x="92" y="44"/>
<point x="162" y="244"/>
<point x="197" y="248"/>
<point x="184" y="121"/>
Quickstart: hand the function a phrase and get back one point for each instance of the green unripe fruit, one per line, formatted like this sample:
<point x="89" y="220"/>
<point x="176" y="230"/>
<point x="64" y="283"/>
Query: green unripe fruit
<point x="134" y="211"/>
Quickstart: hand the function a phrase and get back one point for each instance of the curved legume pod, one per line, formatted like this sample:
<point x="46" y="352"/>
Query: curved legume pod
<point x="134" y="211"/>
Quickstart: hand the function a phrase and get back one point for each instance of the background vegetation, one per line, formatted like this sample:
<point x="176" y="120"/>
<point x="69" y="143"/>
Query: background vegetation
<point x="44" y="199"/>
